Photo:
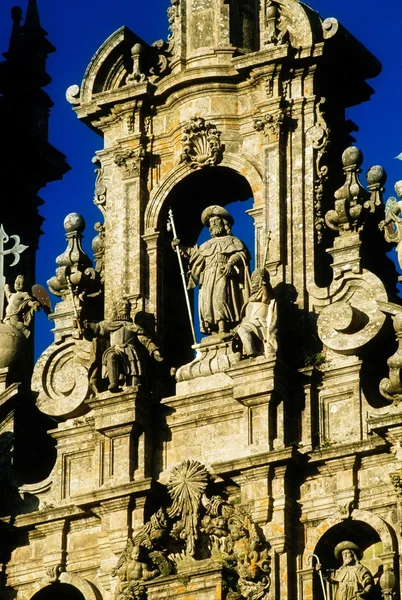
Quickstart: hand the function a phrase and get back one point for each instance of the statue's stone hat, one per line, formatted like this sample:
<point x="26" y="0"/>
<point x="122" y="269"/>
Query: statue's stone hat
<point x="215" y="211"/>
<point x="339" y="548"/>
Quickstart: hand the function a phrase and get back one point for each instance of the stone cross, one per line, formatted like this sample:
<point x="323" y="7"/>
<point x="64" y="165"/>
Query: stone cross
<point x="15" y="250"/>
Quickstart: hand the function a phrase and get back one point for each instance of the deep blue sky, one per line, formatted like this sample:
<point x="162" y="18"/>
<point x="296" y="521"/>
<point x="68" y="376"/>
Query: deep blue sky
<point x="78" y="27"/>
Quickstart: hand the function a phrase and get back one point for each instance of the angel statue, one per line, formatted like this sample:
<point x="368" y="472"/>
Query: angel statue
<point x="21" y="305"/>
<point x="132" y="570"/>
<point x="392" y="224"/>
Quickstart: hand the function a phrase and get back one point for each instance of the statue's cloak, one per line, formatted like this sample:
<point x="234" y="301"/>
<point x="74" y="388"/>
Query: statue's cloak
<point x="221" y="296"/>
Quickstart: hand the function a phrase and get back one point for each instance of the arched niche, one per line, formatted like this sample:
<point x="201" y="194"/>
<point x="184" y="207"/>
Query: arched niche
<point x="369" y="532"/>
<point x="187" y="198"/>
<point x="59" y="591"/>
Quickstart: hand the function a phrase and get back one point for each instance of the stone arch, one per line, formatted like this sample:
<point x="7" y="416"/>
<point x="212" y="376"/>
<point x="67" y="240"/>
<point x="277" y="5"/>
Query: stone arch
<point x="382" y="528"/>
<point x="240" y="164"/>
<point x="374" y="530"/>
<point x="69" y="587"/>
<point x="187" y="192"/>
<point x="305" y="23"/>
<point x="110" y="64"/>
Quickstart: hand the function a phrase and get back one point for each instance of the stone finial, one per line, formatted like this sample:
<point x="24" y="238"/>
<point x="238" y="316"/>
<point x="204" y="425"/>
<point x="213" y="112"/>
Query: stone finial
<point x="350" y="198"/>
<point x="376" y="178"/>
<point x="74" y="270"/>
<point x="136" y="75"/>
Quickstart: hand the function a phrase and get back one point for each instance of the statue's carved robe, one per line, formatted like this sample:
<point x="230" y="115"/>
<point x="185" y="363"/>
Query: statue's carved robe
<point x="221" y="297"/>
<point x="352" y="581"/>
<point x="260" y="323"/>
<point x="124" y="339"/>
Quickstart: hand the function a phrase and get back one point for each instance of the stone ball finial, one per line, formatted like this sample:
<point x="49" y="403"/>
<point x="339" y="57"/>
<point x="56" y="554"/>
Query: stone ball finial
<point x="136" y="49"/>
<point x="16" y="13"/>
<point x="74" y="222"/>
<point x="352" y="156"/>
<point x="376" y="175"/>
<point x="398" y="188"/>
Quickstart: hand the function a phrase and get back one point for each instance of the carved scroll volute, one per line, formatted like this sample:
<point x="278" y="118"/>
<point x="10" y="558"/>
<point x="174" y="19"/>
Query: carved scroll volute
<point x="201" y="144"/>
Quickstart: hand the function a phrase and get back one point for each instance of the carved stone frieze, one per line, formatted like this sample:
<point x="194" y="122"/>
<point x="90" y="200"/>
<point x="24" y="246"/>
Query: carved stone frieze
<point x="130" y="161"/>
<point x="201" y="144"/>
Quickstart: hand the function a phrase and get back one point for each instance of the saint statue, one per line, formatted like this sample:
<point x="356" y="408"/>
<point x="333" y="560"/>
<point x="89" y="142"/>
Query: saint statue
<point x="352" y="580"/>
<point x="21" y="307"/>
<point x="257" y="331"/>
<point x="121" y="362"/>
<point x="220" y="267"/>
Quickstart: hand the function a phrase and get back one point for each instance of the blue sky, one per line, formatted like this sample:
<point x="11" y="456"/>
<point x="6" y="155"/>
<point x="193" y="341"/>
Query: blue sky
<point x="78" y="27"/>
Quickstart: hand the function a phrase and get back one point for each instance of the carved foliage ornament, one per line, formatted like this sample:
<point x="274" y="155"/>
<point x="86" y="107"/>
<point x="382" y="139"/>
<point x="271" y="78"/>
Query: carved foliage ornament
<point x="130" y="161"/>
<point x="270" y="125"/>
<point x="100" y="186"/>
<point x="200" y="527"/>
<point x="201" y="144"/>
<point x="319" y="136"/>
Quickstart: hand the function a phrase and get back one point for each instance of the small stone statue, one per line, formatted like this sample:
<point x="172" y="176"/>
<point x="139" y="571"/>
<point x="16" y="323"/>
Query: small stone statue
<point x="352" y="580"/>
<point x="21" y="307"/>
<point x="257" y="331"/>
<point x="131" y="570"/>
<point x="121" y="361"/>
<point x="220" y="266"/>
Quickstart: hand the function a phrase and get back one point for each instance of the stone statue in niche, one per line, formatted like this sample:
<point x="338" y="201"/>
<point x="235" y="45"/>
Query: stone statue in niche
<point x="121" y="362"/>
<point x="257" y="332"/>
<point x="352" y="580"/>
<point x="132" y="569"/>
<point x="220" y="267"/>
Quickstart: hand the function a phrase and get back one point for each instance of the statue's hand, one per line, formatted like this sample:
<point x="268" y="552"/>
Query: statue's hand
<point x="227" y="270"/>
<point x="175" y="243"/>
<point x="157" y="355"/>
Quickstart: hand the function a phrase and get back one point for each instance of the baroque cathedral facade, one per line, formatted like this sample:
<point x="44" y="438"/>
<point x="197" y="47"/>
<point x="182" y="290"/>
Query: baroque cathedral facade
<point x="262" y="460"/>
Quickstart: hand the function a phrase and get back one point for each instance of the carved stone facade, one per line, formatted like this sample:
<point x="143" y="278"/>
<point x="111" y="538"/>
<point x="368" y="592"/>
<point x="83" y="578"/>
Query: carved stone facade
<point x="263" y="461"/>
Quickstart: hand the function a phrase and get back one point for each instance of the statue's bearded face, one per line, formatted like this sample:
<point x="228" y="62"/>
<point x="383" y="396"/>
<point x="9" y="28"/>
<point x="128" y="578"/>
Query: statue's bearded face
<point x="348" y="557"/>
<point x="216" y="227"/>
<point x="121" y="311"/>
